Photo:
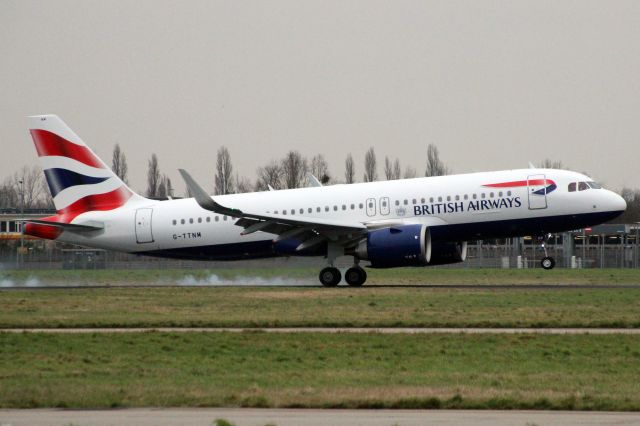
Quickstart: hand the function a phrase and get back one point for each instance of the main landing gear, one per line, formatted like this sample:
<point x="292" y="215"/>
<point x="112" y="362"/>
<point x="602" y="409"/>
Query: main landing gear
<point x="330" y="276"/>
<point x="547" y="261"/>
<point x="355" y="276"/>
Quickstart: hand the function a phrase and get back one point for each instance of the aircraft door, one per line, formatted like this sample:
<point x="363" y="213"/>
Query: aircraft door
<point x="537" y="192"/>
<point x="371" y="206"/>
<point x="384" y="206"/>
<point x="143" y="226"/>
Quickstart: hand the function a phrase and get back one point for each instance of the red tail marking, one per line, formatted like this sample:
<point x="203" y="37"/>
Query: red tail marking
<point x="48" y="143"/>
<point x="42" y="231"/>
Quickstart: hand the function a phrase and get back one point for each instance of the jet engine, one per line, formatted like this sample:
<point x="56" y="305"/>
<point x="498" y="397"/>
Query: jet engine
<point x="408" y="245"/>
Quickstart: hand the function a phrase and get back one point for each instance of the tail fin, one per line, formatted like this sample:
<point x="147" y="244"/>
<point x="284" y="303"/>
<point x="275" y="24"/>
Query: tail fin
<point x="78" y="180"/>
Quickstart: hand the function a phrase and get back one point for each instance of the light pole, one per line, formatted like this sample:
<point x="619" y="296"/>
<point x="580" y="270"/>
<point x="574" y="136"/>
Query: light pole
<point x="21" y="182"/>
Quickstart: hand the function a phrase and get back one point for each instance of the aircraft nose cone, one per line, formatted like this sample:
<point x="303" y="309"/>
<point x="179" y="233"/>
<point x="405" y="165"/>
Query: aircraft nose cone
<point x="618" y="203"/>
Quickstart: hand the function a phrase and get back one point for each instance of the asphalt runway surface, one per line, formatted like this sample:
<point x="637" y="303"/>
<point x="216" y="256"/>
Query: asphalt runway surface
<point x="425" y="286"/>
<point x="311" y="417"/>
<point x="356" y="330"/>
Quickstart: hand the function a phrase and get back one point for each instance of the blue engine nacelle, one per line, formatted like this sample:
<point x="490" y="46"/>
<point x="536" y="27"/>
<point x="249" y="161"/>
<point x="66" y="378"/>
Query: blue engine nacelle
<point x="408" y="245"/>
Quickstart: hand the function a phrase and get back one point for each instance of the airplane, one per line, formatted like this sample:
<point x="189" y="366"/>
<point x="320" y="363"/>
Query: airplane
<point x="408" y="222"/>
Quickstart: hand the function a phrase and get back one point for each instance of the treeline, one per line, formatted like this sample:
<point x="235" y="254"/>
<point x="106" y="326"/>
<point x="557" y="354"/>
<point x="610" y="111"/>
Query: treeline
<point x="292" y="171"/>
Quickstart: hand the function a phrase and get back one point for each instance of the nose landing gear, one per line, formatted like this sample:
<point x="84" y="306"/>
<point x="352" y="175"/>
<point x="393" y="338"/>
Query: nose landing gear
<point x="547" y="261"/>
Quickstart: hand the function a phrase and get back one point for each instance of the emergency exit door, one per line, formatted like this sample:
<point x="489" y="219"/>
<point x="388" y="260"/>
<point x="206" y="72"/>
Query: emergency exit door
<point x="143" y="226"/>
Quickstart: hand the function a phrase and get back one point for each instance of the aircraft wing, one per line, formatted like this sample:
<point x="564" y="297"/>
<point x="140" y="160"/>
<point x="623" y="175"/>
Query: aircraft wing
<point x="310" y="231"/>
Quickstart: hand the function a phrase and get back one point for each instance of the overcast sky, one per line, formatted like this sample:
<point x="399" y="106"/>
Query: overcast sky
<point x="494" y="84"/>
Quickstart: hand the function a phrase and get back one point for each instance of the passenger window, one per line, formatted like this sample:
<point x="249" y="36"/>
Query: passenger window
<point x="582" y="186"/>
<point x="475" y="196"/>
<point x="448" y="197"/>
<point x="439" y="199"/>
<point x="224" y="217"/>
<point x="301" y="211"/>
<point x="190" y="220"/>
<point x="406" y="202"/>
<point x="284" y="212"/>
<point x="318" y="209"/>
<point x="457" y="197"/>
<point x="335" y="208"/>
<point x="360" y="206"/>
<point x="491" y="194"/>
<point x="397" y="202"/>
<point x="422" y="200"/>
<point x="309" y="210"/>
<point x="217" y="218"/>
<point x="508" y="193"/>
<point x="208" y="219"/>
<point x="326" y="208"/>
<point x="431" y="200"/>
<point x="199" y="220"/>
<point x="414" y="201"/>
<point x="572" y="187"/>
<point x="466" y="197"/>
<point x="500" y="194"/>
<point x="175" y="222"/>
<point x="353" y="206"/>
<point x="344" y="207"/>
<point x="293" y="211"/>
<point x="182" y="221"/>
<point x="370" y="205"/>
<point x="482" y="195"/>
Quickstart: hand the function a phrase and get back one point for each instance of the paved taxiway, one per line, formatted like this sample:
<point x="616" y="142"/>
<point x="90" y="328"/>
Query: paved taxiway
<point x="360" y="330"/>
<point x="311" y="417"/>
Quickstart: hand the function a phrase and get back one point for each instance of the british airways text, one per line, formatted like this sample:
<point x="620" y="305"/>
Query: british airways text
<point x="470" y="206"/>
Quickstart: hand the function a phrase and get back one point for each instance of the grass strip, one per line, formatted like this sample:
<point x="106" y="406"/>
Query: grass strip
<point x="319" y="307"/>
<point x="320" y="370"/>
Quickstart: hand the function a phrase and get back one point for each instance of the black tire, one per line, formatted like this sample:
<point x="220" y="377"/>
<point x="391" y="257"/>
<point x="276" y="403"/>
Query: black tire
<point x="330" y="276"/>
<point x="355" y="276"/>
<point x="548" y="263"/>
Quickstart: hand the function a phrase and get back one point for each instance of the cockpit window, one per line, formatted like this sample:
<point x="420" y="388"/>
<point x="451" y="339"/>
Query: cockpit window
<point x="582" y="186"/>
<point x="594" y="185"/>
<point x="572" y="187"/>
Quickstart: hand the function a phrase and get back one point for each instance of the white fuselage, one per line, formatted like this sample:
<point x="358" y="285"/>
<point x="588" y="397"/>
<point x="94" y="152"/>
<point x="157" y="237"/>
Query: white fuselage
<point x="464" y="205"/>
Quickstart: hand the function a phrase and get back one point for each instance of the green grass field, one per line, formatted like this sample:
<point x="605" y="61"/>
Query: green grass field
<point x="320" y="370"/>
<point x="320" y="307"/>
<point x="310" y="276"/>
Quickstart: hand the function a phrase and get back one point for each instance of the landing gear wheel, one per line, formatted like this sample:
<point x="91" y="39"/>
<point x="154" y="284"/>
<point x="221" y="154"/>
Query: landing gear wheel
<point x="330" y="276"/>
<point x="355" y="276"/>
<point x="547" y="262"/>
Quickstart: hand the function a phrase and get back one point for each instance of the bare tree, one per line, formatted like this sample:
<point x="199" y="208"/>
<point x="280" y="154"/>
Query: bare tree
<point x="224" y="172"/>
<point x="370" y="166"/>
<point x="168" y="186"/>
<point x="119" y="164"/>
<point x="162" y="188"/>
<point x="28" y="185"/>
<point x="8" y="194"/>
<point x="397" y="171"/>
<point x="349" y="170"/>
<point x="294" y="169"/>
<point x="409" y="173"/>
<point x="388" y="168"/>
<point x="269" y="175"/>
<point x="435" y="166"/>
<point x="243" y="185"/>
<point x="547" y="163"/>
<point x="153" y="177"/>
<point x="320" y="168"/>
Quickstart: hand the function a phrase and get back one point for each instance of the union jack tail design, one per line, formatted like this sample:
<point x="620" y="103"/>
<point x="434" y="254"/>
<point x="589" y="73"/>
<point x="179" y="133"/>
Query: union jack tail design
<point x="78" y="180"/>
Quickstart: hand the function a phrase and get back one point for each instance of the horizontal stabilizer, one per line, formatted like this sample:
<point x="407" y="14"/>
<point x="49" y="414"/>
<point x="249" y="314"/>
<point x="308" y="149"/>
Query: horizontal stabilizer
<point x="73" y="227"/>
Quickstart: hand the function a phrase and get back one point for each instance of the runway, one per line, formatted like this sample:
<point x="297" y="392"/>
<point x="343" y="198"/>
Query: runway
<point x="319" y="287"/>
<point x="311" y="417"/>
<point x="354" y="330"/>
